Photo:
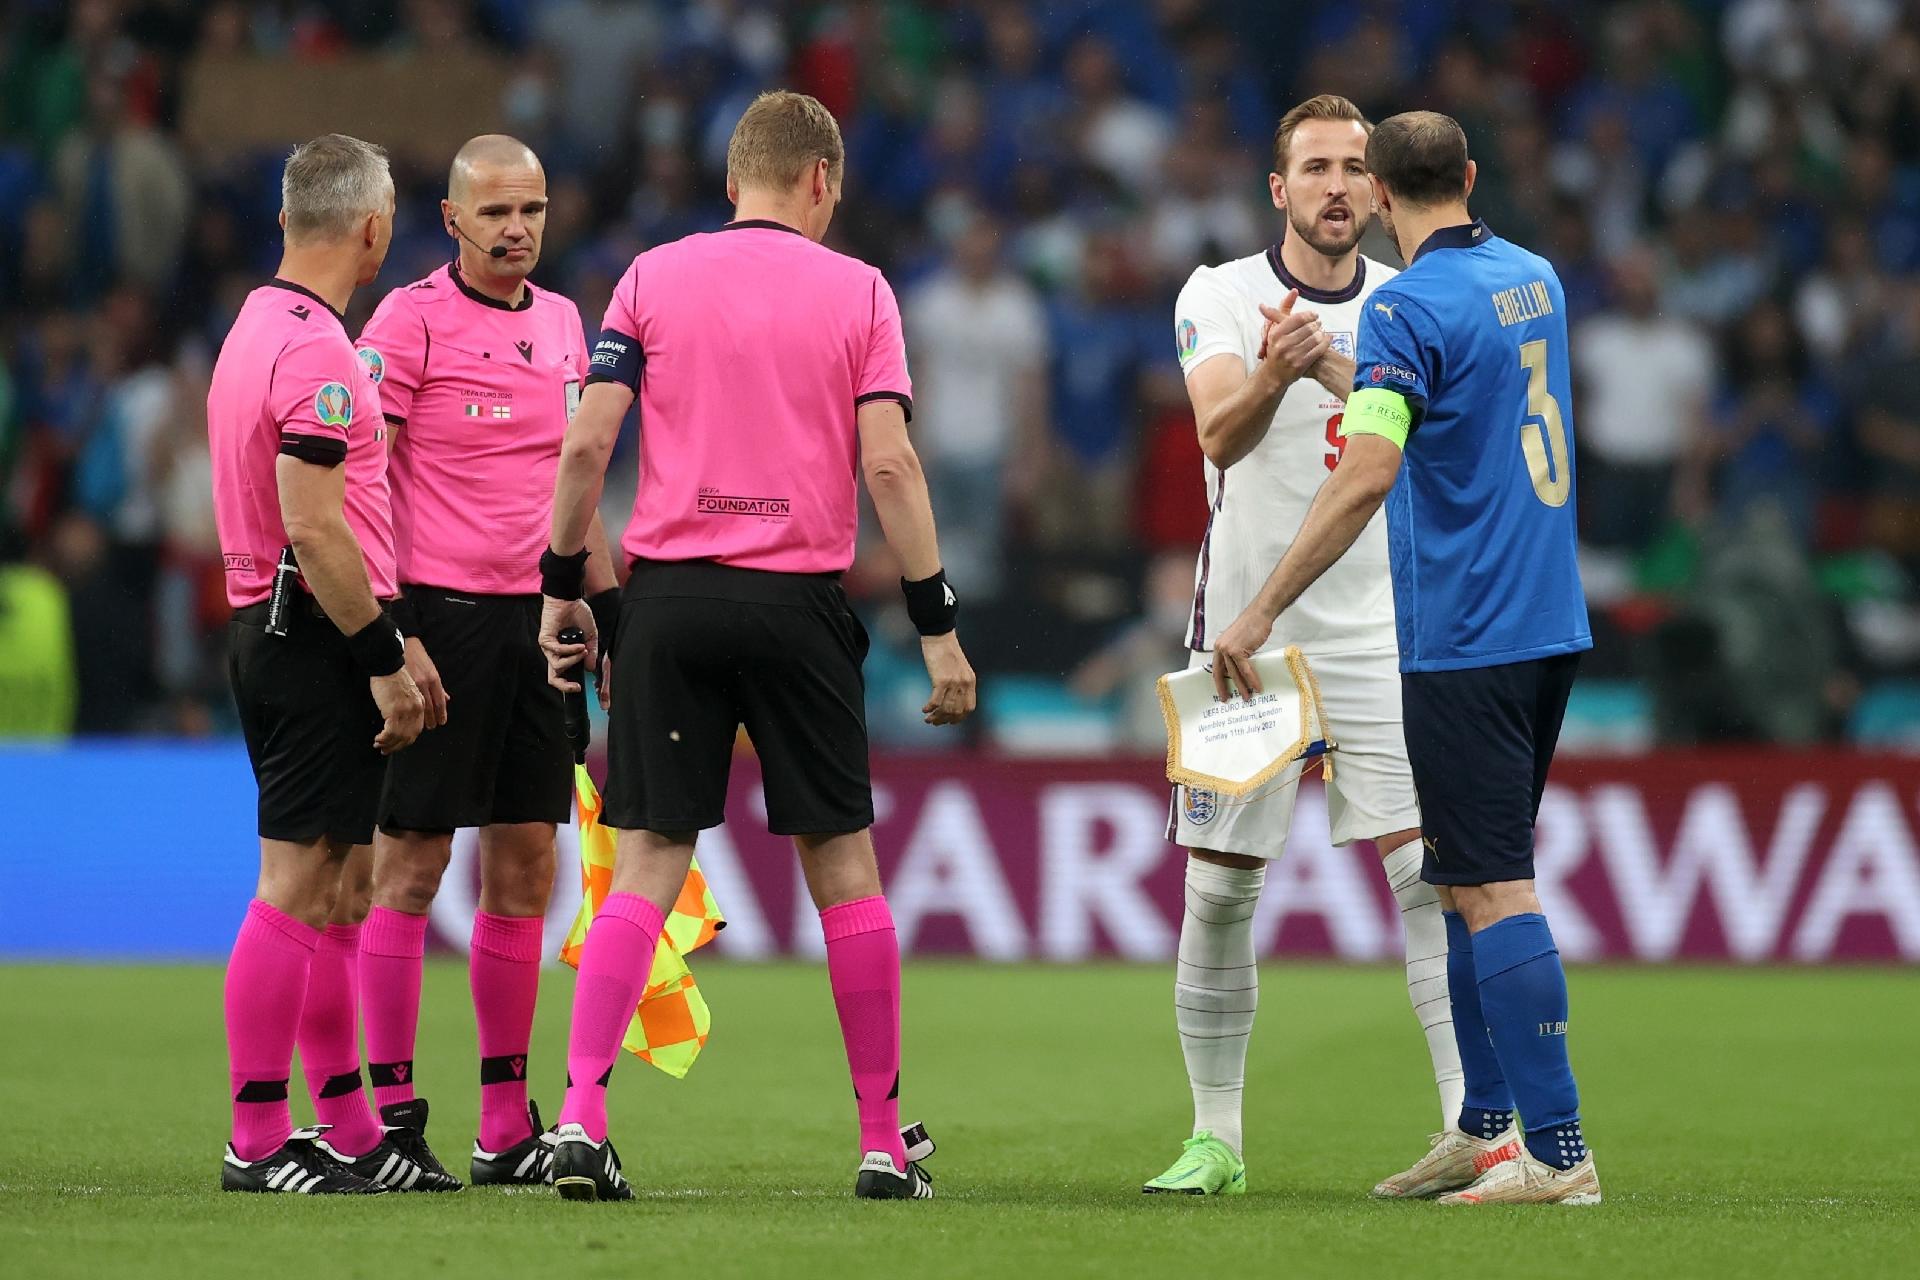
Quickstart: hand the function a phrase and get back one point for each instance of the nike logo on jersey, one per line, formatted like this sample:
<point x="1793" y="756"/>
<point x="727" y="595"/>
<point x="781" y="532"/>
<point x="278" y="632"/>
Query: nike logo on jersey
<point x="1385" y="309"/>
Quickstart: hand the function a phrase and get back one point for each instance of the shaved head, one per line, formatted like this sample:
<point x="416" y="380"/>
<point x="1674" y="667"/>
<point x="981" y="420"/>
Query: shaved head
<point x="496" y="208"/>
<point x="489" y="151"/>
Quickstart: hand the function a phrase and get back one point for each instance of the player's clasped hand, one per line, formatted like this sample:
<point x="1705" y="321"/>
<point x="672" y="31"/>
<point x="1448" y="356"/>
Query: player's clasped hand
<point x="403" y="711"/>
<point x="955" y="688"/>
<point x="1292" y="342"/>
<point x="555" y="617"/>
<point x="1233" y="655"/>
<point x="426" y="677"/>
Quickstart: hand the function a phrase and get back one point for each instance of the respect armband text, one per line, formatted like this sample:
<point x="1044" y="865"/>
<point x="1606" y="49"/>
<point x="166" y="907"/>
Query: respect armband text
<point x="616" y="357"/>
<point x="1376" y="411"/>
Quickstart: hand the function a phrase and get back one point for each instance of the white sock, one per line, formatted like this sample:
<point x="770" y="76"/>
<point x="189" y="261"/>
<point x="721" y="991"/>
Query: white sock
<point x="1216" y="989"/>
<point x="1426" y="930"/>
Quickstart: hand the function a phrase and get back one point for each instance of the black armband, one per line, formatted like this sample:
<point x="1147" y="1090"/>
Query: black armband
<point x="931" y="604"/>
<point x="404" y="615"/>
<point x="377" y="648"/>
<point x="616" y="357"/>
<point x="562" y="577"/>
<point x="321" y="451"/>
<point x="605" y="607"/>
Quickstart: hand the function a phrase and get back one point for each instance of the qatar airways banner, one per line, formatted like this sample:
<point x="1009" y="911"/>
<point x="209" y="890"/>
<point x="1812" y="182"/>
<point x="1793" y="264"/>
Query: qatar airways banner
<point x="1744" y="857"/>
<point x="148" y="850"/>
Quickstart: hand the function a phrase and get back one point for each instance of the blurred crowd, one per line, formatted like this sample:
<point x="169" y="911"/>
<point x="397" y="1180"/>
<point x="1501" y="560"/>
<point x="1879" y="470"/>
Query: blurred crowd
<point x="1730" y="192"/>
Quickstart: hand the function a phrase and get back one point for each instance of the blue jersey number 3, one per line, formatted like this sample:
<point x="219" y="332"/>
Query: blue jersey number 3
<point x="1544" y="444"/>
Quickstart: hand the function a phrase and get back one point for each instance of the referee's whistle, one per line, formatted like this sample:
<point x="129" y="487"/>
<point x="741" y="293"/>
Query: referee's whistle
<point x="579" y="727"/>
<point x="281" y="599"/>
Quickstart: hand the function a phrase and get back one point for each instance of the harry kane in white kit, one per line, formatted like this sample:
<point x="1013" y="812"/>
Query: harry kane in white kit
<point x="1266" y="344"/>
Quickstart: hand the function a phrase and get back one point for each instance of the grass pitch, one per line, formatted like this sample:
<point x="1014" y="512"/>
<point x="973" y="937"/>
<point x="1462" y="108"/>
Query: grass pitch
<point x="1747" y="1124"/>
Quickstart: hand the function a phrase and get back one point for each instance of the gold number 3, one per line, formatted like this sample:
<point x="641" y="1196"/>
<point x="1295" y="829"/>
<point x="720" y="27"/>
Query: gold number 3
<point x="1544" y="444"/>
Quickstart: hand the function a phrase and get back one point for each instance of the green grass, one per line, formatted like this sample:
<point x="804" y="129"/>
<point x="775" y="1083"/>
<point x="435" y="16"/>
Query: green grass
<point x="1747" y="1124"/>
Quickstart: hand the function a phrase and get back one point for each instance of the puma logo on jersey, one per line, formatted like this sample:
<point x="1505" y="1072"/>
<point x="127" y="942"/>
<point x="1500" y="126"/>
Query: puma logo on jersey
<point x="1385" y="309"/>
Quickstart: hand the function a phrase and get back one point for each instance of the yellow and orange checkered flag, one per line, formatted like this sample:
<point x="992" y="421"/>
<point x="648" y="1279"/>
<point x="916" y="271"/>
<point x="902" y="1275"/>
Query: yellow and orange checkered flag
<point x="672" y="1021"/>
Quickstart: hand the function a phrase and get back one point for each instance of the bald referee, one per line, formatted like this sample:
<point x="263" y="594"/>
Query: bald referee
<point x="479" y="371"/>
<point x="301" y="504"/>
<point x="772" y="375"/>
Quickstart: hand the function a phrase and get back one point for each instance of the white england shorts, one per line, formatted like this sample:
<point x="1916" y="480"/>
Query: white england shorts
<point x="1371" y="793"/>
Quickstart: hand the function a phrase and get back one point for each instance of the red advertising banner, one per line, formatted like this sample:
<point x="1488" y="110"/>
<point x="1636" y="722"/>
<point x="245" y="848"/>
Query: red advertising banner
<point x="1749" y="857"/>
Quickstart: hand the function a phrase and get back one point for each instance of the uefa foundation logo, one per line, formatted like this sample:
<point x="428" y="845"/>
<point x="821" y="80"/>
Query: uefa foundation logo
<point x="1201" y="805"/>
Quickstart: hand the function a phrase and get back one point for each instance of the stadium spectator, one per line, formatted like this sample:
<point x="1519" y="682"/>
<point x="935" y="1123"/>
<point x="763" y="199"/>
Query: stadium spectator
<point x="978" y="336"/>
<point x="1118" y="134"/>
<point x="1890" y="433"/>
<point x="1645" y="379"/>
<point x="124" y="193"/>
<point x="1771" y="427"/>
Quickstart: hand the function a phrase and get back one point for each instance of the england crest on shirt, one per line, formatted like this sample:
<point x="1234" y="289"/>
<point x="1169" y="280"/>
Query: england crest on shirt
<point x="1342" y="342"/>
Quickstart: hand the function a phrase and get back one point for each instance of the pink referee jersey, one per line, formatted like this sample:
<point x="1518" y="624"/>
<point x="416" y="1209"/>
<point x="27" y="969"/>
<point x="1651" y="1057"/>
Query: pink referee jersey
<point x="478" y="394"/>
<point x="287" y="381"/>
<point x="751" y="347"/>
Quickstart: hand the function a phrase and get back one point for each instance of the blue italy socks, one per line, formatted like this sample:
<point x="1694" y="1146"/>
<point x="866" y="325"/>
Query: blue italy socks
<point x="1523" y="994"/>
<point x="1488" y="1107"/>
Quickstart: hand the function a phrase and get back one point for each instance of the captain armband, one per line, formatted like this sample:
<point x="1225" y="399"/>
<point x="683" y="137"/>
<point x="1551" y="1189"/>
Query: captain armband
<point x="1376" y="411"/>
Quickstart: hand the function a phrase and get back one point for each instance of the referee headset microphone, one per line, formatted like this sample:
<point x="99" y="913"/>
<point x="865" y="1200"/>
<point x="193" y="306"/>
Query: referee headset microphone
<point x="498" y="251"/>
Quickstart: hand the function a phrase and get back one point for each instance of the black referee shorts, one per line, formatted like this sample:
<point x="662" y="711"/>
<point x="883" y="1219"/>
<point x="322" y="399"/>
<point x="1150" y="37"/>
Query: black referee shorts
<point x="309" y="720"/>
<point x="1480" y="741"/>
<point x="502" y="756"/>
<point x="704" y="649"/>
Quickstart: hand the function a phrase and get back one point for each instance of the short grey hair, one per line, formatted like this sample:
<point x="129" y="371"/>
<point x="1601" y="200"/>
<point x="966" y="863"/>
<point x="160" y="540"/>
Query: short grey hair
<point x="330" y="184"/>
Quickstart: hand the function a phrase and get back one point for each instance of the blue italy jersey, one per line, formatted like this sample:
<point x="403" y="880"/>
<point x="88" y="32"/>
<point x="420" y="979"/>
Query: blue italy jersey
<point x="1480" y="523"/>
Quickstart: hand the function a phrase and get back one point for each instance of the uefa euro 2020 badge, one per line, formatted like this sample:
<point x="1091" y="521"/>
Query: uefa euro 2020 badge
<point x="1186" y="337"/>
<point x="375" y="362"/>
<point x="1201" y="805"/>
<point x="333" y="405"/>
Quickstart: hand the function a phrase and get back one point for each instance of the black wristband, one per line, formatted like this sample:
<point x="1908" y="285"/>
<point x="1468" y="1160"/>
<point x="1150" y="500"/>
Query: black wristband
<point x="562" y="577"/>
<point x="931" y="604"/>
<point x="605" y="607"/>
<point x="377" y="648"/>
<point x="404" y="615"/>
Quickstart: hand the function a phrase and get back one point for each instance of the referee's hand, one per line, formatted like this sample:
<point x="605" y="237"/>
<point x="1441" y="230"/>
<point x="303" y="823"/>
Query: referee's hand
<point x="427" y="677"/>
<point x="556" y="616"/>
<point x="402" y="709"/>
<point x="1233" y="655"/>
<point x="955" y="690"/>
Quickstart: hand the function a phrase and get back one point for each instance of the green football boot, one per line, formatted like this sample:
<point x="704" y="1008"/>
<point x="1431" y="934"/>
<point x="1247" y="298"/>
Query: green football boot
<point x="1206" y="1167"/>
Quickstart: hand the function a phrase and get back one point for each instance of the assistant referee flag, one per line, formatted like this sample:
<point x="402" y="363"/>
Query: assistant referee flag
<point x="671" y="1023"/>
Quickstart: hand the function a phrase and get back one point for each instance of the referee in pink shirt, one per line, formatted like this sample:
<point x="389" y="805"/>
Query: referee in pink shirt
<point x="301" y="504"/>
<point x="771" y="374"/>
<point x="478" y="370"/>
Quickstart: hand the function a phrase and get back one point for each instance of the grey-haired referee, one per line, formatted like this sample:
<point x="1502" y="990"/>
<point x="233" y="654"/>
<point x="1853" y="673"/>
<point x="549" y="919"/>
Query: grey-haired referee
<point x="300" y="479"/>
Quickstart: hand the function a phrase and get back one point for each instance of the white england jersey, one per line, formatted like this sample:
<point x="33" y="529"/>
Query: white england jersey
<point x="1258" y="504"/>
